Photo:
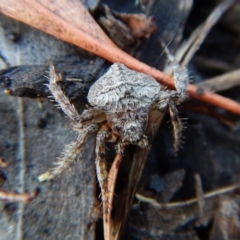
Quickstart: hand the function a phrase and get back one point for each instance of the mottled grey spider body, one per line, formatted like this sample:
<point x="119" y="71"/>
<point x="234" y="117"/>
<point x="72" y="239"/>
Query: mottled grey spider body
<point x="122" y="106"/>
<point x="125" y="97"/>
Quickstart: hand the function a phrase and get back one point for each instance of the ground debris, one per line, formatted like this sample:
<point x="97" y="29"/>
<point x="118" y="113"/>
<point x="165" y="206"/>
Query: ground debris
<point x="78" y="73"/>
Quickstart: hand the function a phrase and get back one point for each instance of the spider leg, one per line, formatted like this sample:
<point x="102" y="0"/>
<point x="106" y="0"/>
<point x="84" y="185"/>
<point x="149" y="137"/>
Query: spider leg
<point x="181" y="80"/>
<point x="177" y="126"/>
<point x="168" y="102"/>
<point x="101" y="168"/>
<point x="69" y="154"/>
<point x="60" y="97"/>
<point x="170" y="98"/>
<point x="180" y="73"/>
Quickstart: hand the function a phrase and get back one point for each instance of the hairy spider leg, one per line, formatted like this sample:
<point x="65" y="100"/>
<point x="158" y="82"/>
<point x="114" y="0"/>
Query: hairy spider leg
<point x="73" y="149"/>
<point x="168" y="101"/>
<point x="181" y="80"/>
<point x="176" y="125"/>
<point x="64" y="103"/>
<point x="70" y="153"/>
<point x="180" y="73"/>
<point x="101" y="168"/>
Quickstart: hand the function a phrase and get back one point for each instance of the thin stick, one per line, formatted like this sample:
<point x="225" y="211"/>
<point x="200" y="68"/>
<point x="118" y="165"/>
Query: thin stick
<point x="62" y="25"/>
<point x="193" y="43"/>
<point x="199" y="192"/>
<point x="18" y="197"/>
<point x="222" y="82"/>
<point x="210" y="194"/>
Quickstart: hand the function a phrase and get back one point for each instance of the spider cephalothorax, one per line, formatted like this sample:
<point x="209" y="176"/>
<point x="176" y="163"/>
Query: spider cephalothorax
<point x="122" y="104"/>
<point x="125" y="97"/>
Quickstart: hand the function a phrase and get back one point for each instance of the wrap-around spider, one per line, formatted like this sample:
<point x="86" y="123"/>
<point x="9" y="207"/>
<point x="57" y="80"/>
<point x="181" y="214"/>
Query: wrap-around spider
<point x="122" y="103"/>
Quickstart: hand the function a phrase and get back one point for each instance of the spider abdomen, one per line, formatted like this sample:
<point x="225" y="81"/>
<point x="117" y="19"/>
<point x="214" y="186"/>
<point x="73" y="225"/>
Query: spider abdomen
<point x="121" y="90"/>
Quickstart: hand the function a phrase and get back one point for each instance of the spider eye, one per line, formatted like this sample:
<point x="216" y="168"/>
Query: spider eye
<point x="127" y="94"/>
<point x="132" y="128"/>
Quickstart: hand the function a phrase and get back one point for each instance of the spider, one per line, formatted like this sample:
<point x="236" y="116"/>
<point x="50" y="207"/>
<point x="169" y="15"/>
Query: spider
<point x="123" y="102"/>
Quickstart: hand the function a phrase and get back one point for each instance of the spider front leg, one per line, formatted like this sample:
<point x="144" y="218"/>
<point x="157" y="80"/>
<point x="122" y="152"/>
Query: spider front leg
<point x="101" y="168"/>
<point x="181" y="80"/>
<point x="168" y="102"/>
<point x="169" y="99"/>
<point x="176" y="125"/>
<point x="179" y="73"/>
<point x="73" y="149"/>
<point x="60" y="97"/>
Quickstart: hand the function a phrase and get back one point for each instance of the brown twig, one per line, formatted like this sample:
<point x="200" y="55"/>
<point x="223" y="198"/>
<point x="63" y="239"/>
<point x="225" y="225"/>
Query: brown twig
<point x="18" y="197"/>
<point x="71" y="22"/>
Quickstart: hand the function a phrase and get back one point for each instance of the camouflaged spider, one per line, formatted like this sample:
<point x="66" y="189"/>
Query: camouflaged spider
<point x="122" y="104"/>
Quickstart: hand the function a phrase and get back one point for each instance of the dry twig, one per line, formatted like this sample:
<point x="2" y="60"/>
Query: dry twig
<point x="222" y="82"/>
<point x="207" y="195"/>
<point x="191" y="45"/>
<point x="14" y="196"/>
